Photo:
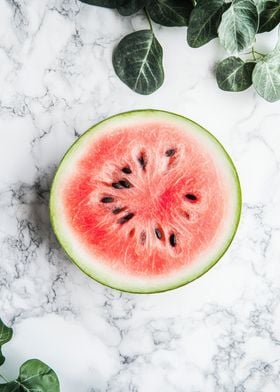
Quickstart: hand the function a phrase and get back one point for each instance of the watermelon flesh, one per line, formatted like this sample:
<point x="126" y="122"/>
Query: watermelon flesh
<point x="145" y="201"/>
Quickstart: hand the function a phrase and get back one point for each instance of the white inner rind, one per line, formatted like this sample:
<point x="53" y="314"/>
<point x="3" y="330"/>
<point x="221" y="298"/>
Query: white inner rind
<point x="102" y="271"/>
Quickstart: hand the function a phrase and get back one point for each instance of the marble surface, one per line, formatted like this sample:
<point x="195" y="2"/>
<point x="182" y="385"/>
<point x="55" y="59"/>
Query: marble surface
<point x="220" y="333"/>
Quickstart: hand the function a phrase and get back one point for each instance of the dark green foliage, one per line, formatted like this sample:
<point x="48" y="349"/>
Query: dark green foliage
<point x="137" y="59"/>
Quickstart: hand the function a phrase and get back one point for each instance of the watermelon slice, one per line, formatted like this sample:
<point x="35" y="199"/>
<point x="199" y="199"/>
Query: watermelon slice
<point x="145" y="201"/>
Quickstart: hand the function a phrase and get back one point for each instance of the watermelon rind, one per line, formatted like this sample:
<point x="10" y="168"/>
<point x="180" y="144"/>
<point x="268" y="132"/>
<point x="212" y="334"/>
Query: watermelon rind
<point x="106" y="278"/>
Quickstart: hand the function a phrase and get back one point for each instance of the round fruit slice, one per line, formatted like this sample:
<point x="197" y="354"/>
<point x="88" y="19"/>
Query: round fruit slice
<point x="145" y="201"/>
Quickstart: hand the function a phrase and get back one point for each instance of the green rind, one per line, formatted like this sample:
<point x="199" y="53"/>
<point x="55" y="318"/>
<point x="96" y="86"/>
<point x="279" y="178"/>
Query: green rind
<point x="189" y="279"/>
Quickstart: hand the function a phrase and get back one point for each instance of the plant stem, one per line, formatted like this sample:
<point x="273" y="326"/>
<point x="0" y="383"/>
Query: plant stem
<point x="254" y="52"/>
<point x="148" y="18"/>
<point x="22" y="386"/>
<point x="4" y="378"/>
<point x="260" y="54"/>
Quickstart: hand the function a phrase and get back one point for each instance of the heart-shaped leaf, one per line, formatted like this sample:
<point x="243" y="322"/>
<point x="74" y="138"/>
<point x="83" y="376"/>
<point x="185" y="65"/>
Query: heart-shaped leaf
<point x="170" y="12"/>
<point x="6" y="334"/>
<point x="34" y="376"/>
<point x="104" y="3"/>
<point x="130" y="7"/>
<point x="239" y="25"/>
<point x="266" y="76"/>
<point x="233" y="74"/>
<point x="269" y="17"/>
<point x="137" y="61"/>
<point x="204" y="21"/>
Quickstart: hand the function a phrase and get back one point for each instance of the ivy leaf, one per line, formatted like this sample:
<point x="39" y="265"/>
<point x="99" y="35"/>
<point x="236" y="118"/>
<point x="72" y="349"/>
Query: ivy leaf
<point x="170" y="12"/>
<point x="239" y="25"/>
<point x="6" y="334"/>
<point x="34" y="375"/>
<point x="204" y="21"/>
<point x="137" y="61"/>
<point x="260" y="4"/>
<point x="266" y="76"/>
<point x="12" y="386"/>
<point x="269" y="17"/>
<point x="104" y="3"/>
<point x="130" y="7"/>
<point x="233" y="74"/>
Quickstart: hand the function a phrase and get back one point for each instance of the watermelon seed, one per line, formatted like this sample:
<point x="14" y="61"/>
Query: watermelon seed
<point x="158" y="233"/>
<point x="191" y="196"/>
<point x="142" y="161"/>
<point x="117" y="185"/>
<point x="170" y="152"/>
<point x="122" y="184"/>
<point x="125" y="183"/>
<point x="143" y="237"/>
<point x="118" y="210"/>
<point x="172" y="240"/>
<point x="187" y="215"/>
<point x="107" y="199"/>
<point x="126" y="170"/>
<point x="126" y="218"/>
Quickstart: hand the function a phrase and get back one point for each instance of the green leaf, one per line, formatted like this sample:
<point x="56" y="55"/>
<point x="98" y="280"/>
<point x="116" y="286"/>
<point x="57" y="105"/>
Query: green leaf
<point x="137" y="61"/>
<point x="239" y="25"/>
<point x="34" y="376"/>
<point x="204" y="21"/>
<point x="266" y="76"/>
<point x="12" y="386"/>
<point x="170" y="12"/>
<point x="130" y="7"/>
<point x="6" y="334"/>
<point x="260" y="4"/>
<point x="269" y="17"/>
<point x="104" y="3"/>
<point x="233" y="74"/>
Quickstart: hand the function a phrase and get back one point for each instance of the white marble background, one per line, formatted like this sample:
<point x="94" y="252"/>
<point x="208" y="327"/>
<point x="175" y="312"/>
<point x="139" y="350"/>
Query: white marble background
<point x="220" y="333"/>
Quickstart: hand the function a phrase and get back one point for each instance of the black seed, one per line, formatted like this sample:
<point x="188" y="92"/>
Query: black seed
<point x="191" y="196"/>
<point x="107" y="199"/>
<point x="172" y="240"/>
<point x="117" y="185"/>
<point x="118" y="210"/>
<point x="126" y="170"/>
<point x="125" y="183"/>
<point x="170" y="152"/>
<point x="142" y="161"/>
<point x="158" y="233"/>
<point x="126" y="218"/>
<point x="143" y="237"/>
